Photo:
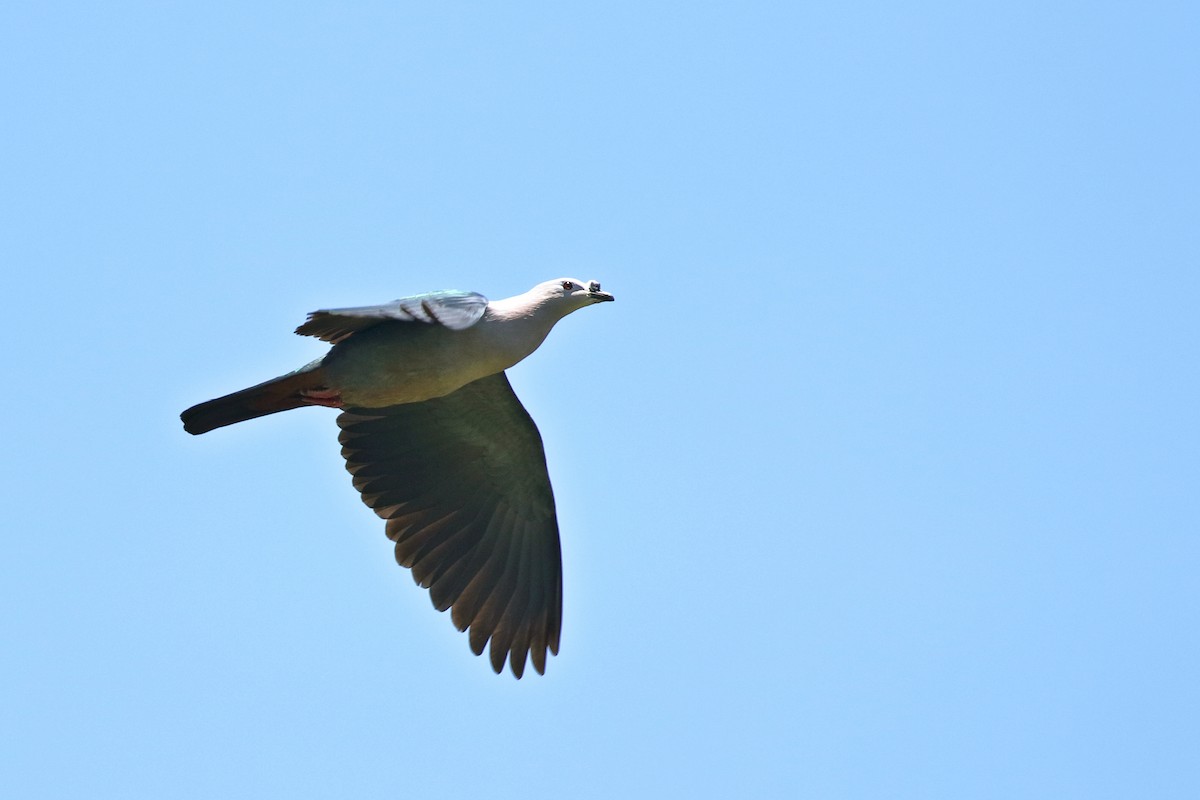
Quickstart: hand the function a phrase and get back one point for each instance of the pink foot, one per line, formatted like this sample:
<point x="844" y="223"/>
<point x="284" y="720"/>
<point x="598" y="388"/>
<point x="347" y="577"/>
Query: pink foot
<point x="330" y="398"/>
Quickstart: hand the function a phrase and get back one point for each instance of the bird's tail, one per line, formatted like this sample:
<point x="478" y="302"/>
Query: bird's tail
<point x="277" y="394"/>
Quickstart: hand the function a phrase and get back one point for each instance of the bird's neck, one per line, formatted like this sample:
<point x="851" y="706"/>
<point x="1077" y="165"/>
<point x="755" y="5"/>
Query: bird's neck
<point x="521" y="323"/>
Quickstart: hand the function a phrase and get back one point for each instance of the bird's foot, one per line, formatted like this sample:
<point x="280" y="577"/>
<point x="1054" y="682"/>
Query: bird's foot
<point x="330" y="398"/>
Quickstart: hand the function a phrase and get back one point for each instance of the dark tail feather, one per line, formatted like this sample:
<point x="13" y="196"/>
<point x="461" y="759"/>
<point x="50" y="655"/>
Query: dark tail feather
<point x="278" y="394"/>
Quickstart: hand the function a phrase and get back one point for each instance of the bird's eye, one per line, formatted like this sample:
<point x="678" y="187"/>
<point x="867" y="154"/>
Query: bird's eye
<point x="568" y="285"/>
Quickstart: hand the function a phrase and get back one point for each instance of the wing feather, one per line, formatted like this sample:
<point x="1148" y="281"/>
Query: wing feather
<point x="453" y="309"/>
<point x="463" y="485"/>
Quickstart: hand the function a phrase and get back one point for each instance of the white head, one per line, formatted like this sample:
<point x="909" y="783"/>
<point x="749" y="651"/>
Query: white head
<point x="578" y="293"/>
<point x="549" y="302"/>
<point x="569" y="294"/>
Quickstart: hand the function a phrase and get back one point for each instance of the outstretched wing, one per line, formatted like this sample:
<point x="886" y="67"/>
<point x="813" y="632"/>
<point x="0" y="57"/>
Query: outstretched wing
<point x="462" y="483"/>
<point x="454" y="309"/>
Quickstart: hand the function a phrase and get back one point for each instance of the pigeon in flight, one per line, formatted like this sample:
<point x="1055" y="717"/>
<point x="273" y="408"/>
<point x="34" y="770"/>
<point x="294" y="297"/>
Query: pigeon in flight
<point x="440" y="447"/>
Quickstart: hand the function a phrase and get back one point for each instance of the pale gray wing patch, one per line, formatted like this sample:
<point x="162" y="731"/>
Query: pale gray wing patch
<point x="463" y="485"/>
<point x="452" y="309"/>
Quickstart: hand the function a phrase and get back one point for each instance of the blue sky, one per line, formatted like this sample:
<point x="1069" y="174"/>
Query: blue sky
<point x="878" y="479"/>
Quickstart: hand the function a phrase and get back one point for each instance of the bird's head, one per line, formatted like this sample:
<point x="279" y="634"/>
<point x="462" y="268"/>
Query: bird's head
<point x="570" y="294"/>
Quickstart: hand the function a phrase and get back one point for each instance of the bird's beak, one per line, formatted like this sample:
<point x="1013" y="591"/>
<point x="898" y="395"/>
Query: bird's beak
<point x="594" y="292"/>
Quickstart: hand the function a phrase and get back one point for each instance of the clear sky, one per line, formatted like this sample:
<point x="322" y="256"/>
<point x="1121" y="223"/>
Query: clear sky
<point x="879" y="479"/>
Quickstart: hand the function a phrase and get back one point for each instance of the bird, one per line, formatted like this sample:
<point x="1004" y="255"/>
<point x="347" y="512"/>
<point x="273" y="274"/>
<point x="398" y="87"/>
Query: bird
<point x="440" y="447"/>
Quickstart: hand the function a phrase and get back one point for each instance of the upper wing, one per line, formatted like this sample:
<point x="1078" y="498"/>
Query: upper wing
<point x="454" y="309"/>
<point x="462" y="483"/>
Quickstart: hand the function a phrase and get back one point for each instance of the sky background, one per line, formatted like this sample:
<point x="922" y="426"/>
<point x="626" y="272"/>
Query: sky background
<point x="879" y="479"/>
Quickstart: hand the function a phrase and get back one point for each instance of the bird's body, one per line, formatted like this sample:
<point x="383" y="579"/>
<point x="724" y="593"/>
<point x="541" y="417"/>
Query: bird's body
<point x="391" y="364"/>
<point x="441" y="448"/>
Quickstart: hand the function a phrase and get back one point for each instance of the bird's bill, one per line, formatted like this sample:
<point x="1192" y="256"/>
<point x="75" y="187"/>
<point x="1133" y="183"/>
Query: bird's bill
<point x="595" y="294"/>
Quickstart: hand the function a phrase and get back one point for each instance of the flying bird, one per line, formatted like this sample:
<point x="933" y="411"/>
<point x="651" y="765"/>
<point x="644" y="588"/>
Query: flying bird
<point x="440" y="447"/>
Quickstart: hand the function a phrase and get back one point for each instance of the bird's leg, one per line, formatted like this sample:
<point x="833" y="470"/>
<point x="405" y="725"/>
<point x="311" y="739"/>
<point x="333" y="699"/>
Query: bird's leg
<point x="330" y="398"/>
